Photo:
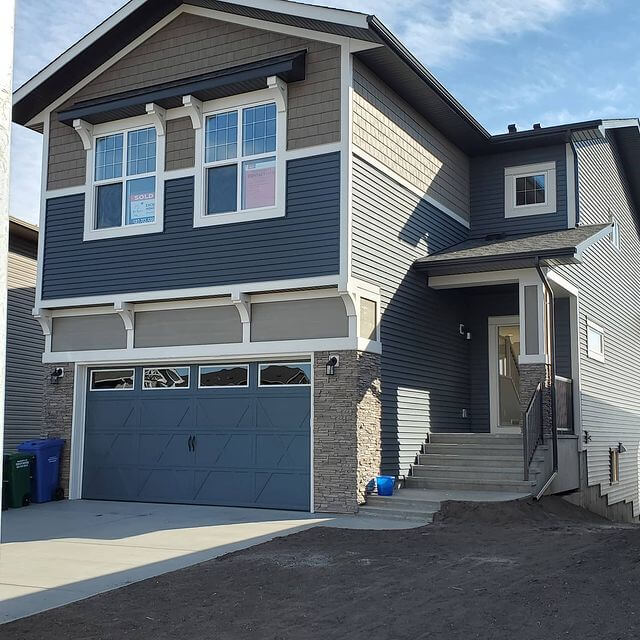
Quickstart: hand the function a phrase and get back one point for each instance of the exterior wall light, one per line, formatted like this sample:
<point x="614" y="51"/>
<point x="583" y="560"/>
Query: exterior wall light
<point x="331" y="365"/>
<point x="621" y="448"/>
<point x="56" y="374"/>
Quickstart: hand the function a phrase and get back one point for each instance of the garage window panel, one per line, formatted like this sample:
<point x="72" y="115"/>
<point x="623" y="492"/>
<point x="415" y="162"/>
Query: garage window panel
<point x="224" y="375"/>
<point x="112" y="379"/>
<point x="166" y="378"/>
<point x="284" y="374"/>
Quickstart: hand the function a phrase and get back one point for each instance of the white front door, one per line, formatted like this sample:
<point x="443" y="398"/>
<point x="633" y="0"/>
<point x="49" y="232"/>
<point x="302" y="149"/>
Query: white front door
<point x="504" y="374"/>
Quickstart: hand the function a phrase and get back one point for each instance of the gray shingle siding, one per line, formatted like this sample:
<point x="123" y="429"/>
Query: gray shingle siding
<point x="304" y="243"/>
<point x="424" y="359"/>
<point x="609" y="284"/>
<point x="487" y="193"/>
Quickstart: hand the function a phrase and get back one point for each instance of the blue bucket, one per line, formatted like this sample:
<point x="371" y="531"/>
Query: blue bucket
<point x="385" y="485"/>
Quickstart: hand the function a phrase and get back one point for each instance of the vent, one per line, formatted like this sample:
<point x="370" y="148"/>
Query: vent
<point x="512" y="128"/>
<point x="537" y="125"/>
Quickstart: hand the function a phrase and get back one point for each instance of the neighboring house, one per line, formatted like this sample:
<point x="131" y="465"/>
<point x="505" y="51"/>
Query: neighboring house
<point x="24" y="373"/>
<point x="278" y="256"/>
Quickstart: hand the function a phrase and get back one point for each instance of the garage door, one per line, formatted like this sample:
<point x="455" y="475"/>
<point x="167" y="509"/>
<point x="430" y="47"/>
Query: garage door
<point x="223" y="434"/>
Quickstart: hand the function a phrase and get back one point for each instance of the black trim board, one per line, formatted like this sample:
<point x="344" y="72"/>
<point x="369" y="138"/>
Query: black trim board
<point x="234" y="80"/>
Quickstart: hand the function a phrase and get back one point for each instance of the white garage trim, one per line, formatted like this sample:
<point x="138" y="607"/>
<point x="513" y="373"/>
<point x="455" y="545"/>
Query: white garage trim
<point x="76" y="465"/>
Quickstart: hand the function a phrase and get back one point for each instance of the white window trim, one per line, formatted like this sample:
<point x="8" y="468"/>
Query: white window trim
<point x="159" y="366"/>
<point x="110" y="128"/>
<point x="595" y="355"/>
<point x="511" y="209"/>
<point x="223" y="366"/>
<point x="283" y="364"/>
<point x="254" y="98"/>
<point x="133" y="377"/>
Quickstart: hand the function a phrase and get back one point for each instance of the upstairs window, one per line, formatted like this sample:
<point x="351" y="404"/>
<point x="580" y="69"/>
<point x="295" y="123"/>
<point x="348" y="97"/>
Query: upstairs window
<point x="240" y="160"/>
<point x="530" y="190"/>
<point x="595" y="341"/>
<point x="125" y="179"/>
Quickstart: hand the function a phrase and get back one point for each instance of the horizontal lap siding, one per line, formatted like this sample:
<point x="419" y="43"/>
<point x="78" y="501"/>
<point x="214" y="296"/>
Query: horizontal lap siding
<point x="395" y="134"/>
<point x="609" y="283"/>
<point x="192" y="45"/>
<point x="305" y="243"/>
<point x="25" y="344"/>
<point x="424" y="360"/>
<point x="488" y="198"/>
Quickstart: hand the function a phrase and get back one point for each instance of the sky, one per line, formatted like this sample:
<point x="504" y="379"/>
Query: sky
<point x="506" y="61"/>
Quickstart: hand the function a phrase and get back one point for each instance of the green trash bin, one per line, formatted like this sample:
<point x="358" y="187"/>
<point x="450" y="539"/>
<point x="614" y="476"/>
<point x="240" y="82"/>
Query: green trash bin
<point x="16" y="479"/>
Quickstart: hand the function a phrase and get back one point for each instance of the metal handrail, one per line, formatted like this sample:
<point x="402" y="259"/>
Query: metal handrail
<point x="532" y="429"/>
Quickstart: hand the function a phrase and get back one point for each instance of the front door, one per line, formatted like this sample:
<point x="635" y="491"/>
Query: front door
<point x="504" y="374"/>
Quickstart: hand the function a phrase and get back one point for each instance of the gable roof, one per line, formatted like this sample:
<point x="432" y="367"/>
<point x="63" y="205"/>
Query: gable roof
<point x="513" y="252"/>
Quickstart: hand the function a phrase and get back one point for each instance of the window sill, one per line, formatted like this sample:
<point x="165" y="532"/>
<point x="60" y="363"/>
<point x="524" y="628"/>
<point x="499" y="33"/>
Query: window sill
<point x="529" y="210"/>
<point x="122" y="232"/>
<point x="216" y="219"/>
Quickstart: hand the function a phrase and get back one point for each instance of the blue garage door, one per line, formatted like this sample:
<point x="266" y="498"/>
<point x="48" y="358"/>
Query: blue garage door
<point x="220" y="434"/>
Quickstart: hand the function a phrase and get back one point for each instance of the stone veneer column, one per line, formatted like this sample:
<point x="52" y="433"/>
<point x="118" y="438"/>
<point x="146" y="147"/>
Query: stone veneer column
<point x="58" y="411"/>
<point x="346" y="425"/>
<point x="530" y="376"/>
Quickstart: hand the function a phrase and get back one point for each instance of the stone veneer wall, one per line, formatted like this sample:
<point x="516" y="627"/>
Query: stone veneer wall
<point x="346" y="429"/>
<point x="530" y="376"/>
<point x="58" y="411"/>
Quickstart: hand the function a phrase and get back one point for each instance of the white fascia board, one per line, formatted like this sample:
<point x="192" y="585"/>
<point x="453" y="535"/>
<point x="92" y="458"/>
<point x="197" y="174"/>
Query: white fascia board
<point x="209" y="353"/>
<point x="619" y="123"/>
<point x="196" y="292"/>
<point x="483" y="278"/>
<point x="326" y="14"/>
<point x="596" y="237"/>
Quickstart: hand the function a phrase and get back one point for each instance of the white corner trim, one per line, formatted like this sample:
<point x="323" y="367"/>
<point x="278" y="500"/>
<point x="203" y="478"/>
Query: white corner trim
<point x="511" y="209"/>
<point x="85" y="131"/>
<point x="374" y="162"/>
<point x="281" y="92"/>
<point x="194" y="110"/>
<point x="159" y="117"/>
<point x="571" y="186"/>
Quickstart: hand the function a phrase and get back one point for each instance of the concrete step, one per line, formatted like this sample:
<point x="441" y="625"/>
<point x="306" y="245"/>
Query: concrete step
<point x="470" y="460"/>
<point x="487" y="450"/>
<point x="404" y="499"/>
<point x="474" y="438"/>
<point x="519" y="486"/>
<point x="388" y="513"/>
<point x="480" y="474"/>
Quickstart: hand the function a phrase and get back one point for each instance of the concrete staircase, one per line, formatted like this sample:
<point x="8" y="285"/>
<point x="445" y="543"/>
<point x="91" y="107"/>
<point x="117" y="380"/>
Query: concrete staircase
<point x="411" y="505"/>
<point x="474" y="462"/>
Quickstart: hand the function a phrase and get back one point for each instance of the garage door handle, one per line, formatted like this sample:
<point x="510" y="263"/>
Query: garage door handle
<point x="190" y="443"/>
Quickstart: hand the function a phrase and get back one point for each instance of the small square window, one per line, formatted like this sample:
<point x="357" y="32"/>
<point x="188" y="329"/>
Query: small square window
<point x="530" y="189"/>
<point x="166" y="378"/>
<point x="595" y="341"/>
<point x="224" y="375"/>
<point x="112" y="380"/>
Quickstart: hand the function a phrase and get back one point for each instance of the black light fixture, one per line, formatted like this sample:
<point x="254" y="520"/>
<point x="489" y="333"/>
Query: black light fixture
<point x="56" y="374"/>
<point x="331" y="365"/>
<point x="621" y="448"/>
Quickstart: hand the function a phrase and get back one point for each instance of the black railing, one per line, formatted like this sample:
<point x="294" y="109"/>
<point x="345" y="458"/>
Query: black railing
<point x="564" y="404"/>
<point x="532" y="433"/>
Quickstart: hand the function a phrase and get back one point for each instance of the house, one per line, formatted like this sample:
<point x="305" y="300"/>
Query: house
<point x="279" y="257"/>
<point x="24" y="370"/>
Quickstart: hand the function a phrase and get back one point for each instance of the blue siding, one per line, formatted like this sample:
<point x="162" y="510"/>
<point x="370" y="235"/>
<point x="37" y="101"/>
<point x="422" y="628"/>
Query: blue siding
<point x="305" y="243"/>
<point x="424" y="358"/>
<point x="563" y="337"/>
<point x="487" y="193"/>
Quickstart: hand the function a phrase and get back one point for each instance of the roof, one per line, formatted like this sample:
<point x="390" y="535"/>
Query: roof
<point x="513" y="252"/>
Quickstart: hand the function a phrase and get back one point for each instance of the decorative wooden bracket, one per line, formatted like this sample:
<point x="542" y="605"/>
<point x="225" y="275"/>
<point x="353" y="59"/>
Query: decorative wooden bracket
<point x="273" y="82"/>
<point x="85" y="131"/>
<point x="243" y="305"/>
<point x="194" y="108"/>
<point x="159" y="116"/>
<point x="126" y="313"/>
<point x="43" y="316"/>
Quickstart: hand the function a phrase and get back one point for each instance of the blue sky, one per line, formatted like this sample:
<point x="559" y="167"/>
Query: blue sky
<point x="522" y="61"/>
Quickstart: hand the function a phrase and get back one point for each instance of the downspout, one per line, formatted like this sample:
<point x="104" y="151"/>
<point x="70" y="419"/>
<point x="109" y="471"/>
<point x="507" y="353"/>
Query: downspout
<point x="552" y="347"/>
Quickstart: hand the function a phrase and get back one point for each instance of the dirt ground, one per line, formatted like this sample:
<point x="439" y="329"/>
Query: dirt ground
<point x="517" y="571"/>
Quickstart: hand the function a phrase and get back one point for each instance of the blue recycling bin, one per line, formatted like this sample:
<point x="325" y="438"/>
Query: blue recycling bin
<point x="385" y="485"/>
<point x="46" y="477"/>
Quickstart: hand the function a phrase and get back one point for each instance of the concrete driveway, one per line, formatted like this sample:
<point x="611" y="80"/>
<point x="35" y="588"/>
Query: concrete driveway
<point x="60" y="552"/>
